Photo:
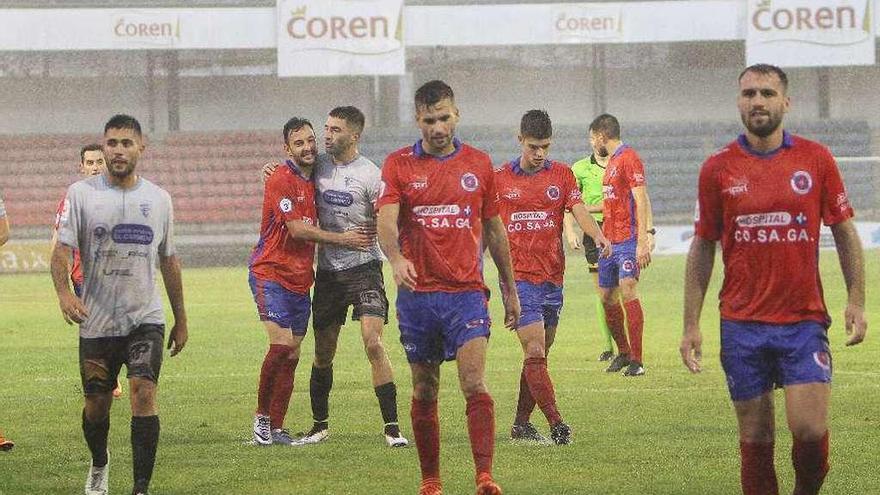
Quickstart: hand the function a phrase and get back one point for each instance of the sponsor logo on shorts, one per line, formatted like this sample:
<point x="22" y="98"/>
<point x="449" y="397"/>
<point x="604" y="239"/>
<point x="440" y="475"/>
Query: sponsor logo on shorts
<point x="801" y="182"/>
<point x="469" y="182"/>
<point x="553" y="192"/>
<point x="140" y="353"/>
<point x="477" y="323"/>
<point x="436" y="210"/>
<point x="770" y="219"/>
<point x="629" y="265"/>
<point x="132" y="233"/>
<point x="410" y="347"/>
<point x="521" y="216"/>
<point x="823" y="360"/>
<point x="285" y="205"/>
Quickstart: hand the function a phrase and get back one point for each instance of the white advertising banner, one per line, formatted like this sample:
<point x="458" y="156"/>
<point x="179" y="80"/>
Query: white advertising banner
<point x="340" y="37"/>
<point x="810" y="33"/>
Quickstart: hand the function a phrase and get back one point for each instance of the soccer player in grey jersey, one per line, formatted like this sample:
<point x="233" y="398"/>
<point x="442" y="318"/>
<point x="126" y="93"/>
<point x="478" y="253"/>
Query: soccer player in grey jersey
<point x="5" y="444"/>
<point x="347" y="190"/>
<point x="122" y="225"/>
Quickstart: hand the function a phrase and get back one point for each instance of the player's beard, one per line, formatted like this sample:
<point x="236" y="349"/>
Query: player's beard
<point x="762" y="130"/>
<point x="121" y="170"/>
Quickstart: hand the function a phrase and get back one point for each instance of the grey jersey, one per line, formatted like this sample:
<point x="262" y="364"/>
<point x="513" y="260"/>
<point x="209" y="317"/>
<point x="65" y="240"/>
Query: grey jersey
<point x="120" y="235"/>
<point x="346" y="196"/>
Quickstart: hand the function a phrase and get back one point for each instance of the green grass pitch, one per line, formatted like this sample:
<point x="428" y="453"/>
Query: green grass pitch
<point x="665" y="433"/>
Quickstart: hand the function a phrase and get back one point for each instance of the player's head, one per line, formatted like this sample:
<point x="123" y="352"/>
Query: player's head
<point x="91" y="159"/>
<point x="300" y="142"/>
<point x="123" y="145"/>
<point x="763" y="98"/>
<point x="436" y="116"/>
<point x="604" y="130"/>
<point x="535" y="133"/>
<point x="343" y="129"/>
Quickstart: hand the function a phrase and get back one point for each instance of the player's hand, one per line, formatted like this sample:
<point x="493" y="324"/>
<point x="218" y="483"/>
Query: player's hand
<point x="643" y="253"/>
<point x="856" y="324"/>
<point x="574" y="240"/>
<point x="604" y="246"/>
<point x="404" y="273"/>
<point x="177" y="339"/>
<point x="691" y="349"/>
<point x="358" y="238"/>
<point x="268" y="170"/>
<point x="72" y="308"/>
<point x="512" y="309"/>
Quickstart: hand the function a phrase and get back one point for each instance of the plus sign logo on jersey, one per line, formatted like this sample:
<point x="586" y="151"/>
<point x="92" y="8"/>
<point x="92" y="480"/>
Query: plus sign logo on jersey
<point x="340" y="37"/>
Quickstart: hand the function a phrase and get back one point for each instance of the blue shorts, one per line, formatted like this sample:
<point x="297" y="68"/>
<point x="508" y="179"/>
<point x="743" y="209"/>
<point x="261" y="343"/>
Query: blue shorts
<point x="77" y="289"/>
<point x="621" y="264"/>
<point x="539" y="303"/>
<point x="757" y="357"/>
<point x="434" y="325"/>
<point x="285" y="308"/>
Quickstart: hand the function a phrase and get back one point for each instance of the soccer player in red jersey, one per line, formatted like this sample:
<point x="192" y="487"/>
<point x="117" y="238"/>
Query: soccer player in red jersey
<point x="764" y="196"/>
<point x="627" y="225"/>
<point x="534" y="193"/>
<point x="437" y="208"/>
<point x="91" y="162"/>
<point x="281" y="275"/>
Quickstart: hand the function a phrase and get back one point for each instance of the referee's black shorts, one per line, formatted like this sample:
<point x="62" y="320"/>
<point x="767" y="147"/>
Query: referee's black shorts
<point x="591" y="251"/>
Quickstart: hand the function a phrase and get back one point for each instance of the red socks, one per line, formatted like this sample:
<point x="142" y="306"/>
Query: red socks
<point x="481" y="430"/>
<point x="614" y="319"/>
<point x="541" y="388"/>
<point x="282" y="389"/>
<point x="810" y="461"/>
<point x="635" y="323"/>
<point x="526" y="403"/>
<point x="274" y="357"/>
<point x="757" y="473"/>
<point x="426" y="430"/>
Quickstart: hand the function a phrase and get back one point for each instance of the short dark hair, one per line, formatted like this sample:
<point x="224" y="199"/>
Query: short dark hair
<point x="536" y="124"/>
<point x="295" y="124"/>
<point x="122" y="121"/>
<point x="766" y="69"/>
<point x="352" y="116"/>
<point x="606" y="125"/>
<point x="89" y="147"/>
<point x="432" y="92"/>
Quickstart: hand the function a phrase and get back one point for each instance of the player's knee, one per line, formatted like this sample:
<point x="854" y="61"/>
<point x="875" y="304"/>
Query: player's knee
<point x="628" y="289"/>
<point x="808" y="432"/>
<point x="757" y="433"/>
<point x="375" y="350"/>
<point x="97" y="407"/>
<point x="535" y="349"/>
<point x="143" y="397"/>
<point x="424" y="390"/>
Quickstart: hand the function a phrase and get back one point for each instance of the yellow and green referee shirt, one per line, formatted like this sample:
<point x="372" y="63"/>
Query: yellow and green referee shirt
<point x="588" y="174"/>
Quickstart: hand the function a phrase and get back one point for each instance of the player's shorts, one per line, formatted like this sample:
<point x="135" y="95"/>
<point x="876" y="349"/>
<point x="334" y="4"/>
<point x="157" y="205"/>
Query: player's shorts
<point x="100" y="359"/>
<point x="285" y="308"/>
<point x="77" y="289"/>
<point x="539" y="302"/>
<point x="362" y="287"/>
<point x="591" y="252"/>
<point x="620" y="265"/>
<point x="757" y="357"/>
<point x="434" y="325"/>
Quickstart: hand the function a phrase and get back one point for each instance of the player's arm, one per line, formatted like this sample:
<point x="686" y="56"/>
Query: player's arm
<point x="359" y="238"/>
<point x="852" y="264"/>
<point x="72" y="308"/>
<point x="588" y="224"/>
<point x="495" y="237"/>
<point x="643" y="216"/>
<point x="571" y="235"/>
<point x="700" y="260"/>
<point x="404" y="271"/>
<point x="4" y="229"/>
<point x="170" y="267"/>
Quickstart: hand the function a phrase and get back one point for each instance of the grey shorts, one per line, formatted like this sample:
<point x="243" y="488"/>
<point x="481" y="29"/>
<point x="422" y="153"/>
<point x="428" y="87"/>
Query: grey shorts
<point x="361" y="287"/>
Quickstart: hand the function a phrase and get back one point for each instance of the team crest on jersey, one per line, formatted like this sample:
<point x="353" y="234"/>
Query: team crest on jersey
<point x="286" y="205"/>
<point x="553" y="192"/>
<point x="100" y="231"/>
<point x="801" y="182"/>
<point x="145" y="209"/>
<point x="469" y="182"/>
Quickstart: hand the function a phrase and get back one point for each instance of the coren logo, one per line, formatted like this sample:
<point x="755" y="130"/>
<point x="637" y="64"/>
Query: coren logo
<point x="301" y="26"/>
<point x="147" y="29"/>
<point x="826" y="22"/>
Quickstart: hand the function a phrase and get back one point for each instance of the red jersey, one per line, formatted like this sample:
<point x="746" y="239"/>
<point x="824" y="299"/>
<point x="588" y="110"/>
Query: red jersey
<point x="623" y="173"/>
<point x="278" y="257"/>
<point x="766" y="210"/>
<point x="76" y="274"/>
<point x="443" y="202"/>
<point x="532" y="208"/>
